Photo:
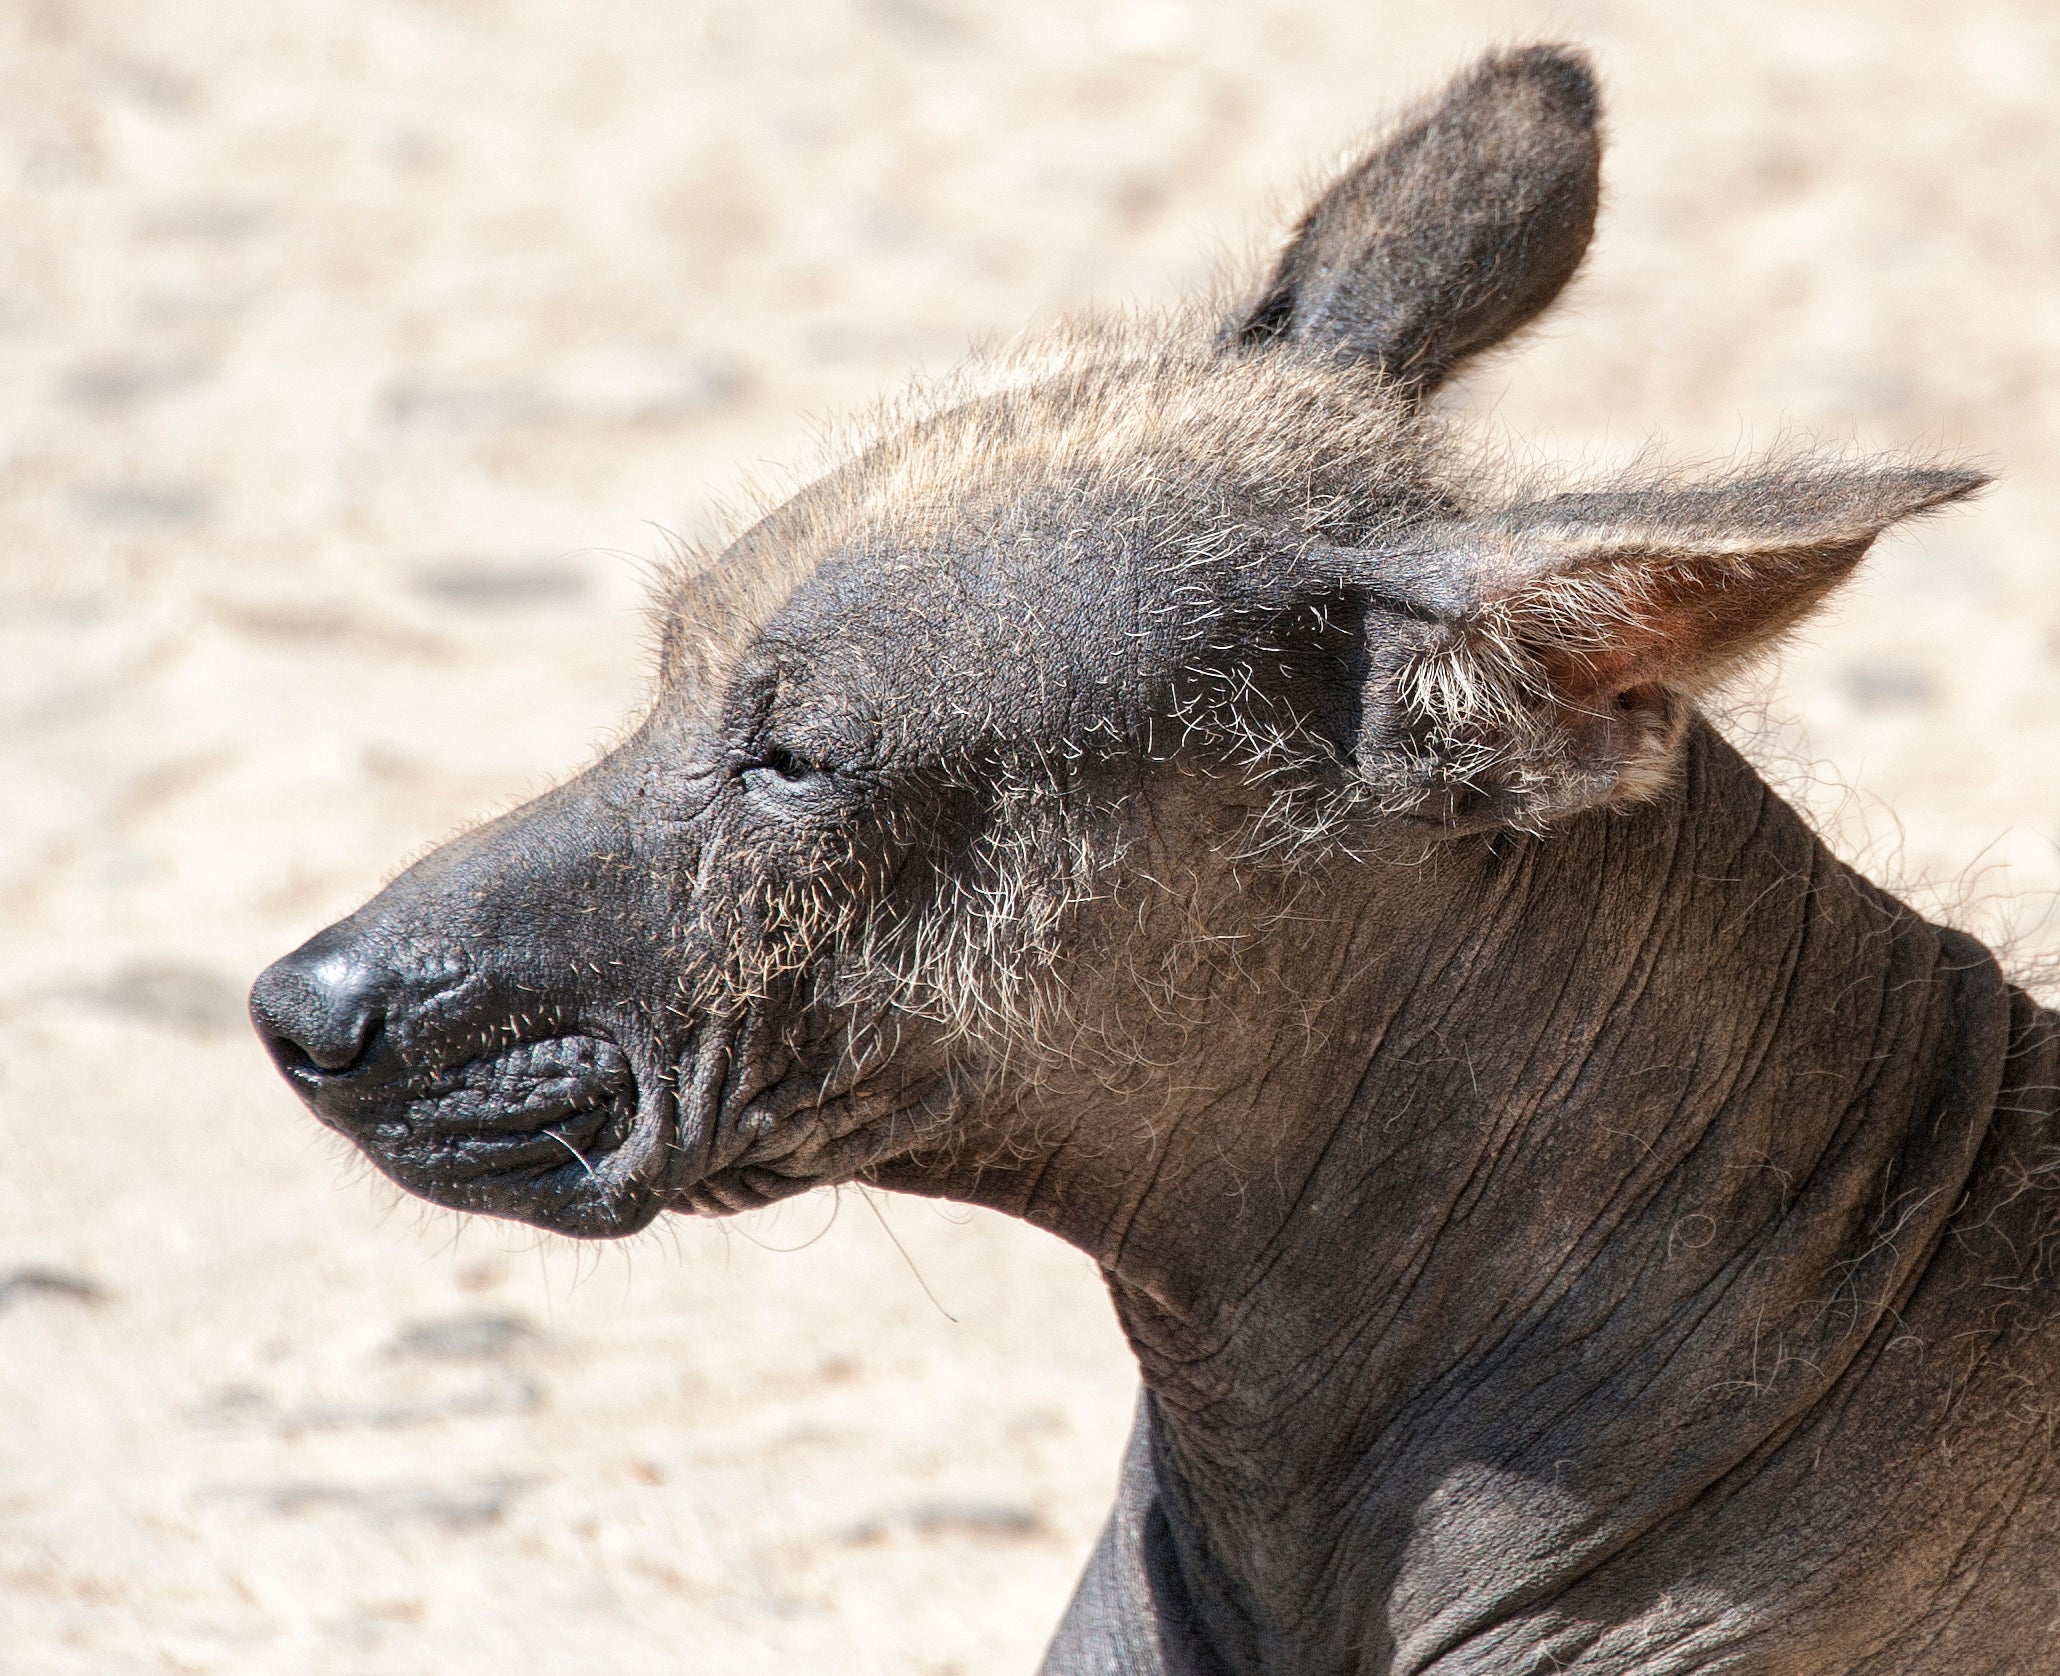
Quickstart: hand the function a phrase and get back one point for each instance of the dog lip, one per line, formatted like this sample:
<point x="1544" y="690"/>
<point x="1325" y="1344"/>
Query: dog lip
<point x="520" y="1088"/>
<point x="554" y="1131"/>
<point x="517" y="1112"/>
<point x="476" y="1156"/>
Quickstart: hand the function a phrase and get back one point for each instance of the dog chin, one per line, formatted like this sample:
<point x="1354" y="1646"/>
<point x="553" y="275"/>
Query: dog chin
<point x="586" y="1199"/>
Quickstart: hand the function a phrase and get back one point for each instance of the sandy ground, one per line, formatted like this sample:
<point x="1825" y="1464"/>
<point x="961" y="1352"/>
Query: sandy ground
<point x="355" y="356"/>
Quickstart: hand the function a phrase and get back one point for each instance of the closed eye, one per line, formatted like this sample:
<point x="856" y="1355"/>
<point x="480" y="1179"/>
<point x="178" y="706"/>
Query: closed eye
<point x="779" y="773"/>
<point x="786" y="765"/>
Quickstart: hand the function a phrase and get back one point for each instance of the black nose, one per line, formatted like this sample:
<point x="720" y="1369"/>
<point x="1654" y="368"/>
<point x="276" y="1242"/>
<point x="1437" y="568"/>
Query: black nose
<point x="321" y="1005"/>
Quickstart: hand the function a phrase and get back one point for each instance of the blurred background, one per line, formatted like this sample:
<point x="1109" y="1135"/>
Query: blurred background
<point x="358" y="356"/>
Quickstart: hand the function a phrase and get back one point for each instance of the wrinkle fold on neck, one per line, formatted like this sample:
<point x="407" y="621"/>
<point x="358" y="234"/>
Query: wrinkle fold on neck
<point x="1612" y="1156"/>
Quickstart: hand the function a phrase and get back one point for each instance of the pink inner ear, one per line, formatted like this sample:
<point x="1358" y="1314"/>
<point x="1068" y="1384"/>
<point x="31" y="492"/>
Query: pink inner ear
<point x="1677" y="620"/>
<point x="1592" y="680"/>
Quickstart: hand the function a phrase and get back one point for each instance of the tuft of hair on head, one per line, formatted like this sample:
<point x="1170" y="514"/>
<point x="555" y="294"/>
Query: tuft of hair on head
<point x="1451" y="233"/>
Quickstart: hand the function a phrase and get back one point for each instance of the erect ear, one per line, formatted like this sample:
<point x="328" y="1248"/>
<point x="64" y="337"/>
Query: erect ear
<point x="1453" y="232"/>
<point x="1560" y="642"/>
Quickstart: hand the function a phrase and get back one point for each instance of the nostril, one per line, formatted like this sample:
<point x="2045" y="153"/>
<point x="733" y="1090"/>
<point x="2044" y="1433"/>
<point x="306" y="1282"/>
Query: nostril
<point x="318" y="1007"/>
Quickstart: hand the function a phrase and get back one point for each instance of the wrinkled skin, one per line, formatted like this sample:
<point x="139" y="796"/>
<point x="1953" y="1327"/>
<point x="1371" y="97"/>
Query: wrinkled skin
<point x="1565" y="1220"/>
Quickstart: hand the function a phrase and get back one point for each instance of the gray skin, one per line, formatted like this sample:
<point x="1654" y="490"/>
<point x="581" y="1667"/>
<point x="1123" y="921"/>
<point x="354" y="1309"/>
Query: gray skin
<point x="1162" y="789"/>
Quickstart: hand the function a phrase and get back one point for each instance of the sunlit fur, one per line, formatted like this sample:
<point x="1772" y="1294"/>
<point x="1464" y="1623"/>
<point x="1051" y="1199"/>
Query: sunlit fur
<point x="1238" y="477"/>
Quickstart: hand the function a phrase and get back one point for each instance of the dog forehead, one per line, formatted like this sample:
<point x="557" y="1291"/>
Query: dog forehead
<point x="1055" y="530"/>
<point x="1016" y="636"/>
